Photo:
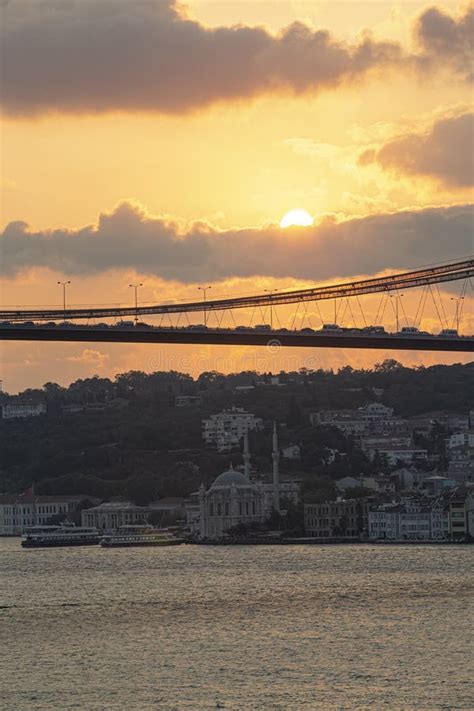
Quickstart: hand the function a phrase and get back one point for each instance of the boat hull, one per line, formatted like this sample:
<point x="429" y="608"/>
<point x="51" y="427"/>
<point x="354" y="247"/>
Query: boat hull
<point x="58" y="544"/>
<point x="134" y="544"/>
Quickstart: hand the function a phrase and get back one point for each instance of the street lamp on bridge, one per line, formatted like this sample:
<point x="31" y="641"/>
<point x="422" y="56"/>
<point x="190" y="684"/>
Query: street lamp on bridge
<point x="136" y="287"/>
<point x="204" y="289"/>
<point x="397" y="298"/>
<point x="64" y="284"/>
<point x="457" y="299"/>
<point x="271" y="291"/>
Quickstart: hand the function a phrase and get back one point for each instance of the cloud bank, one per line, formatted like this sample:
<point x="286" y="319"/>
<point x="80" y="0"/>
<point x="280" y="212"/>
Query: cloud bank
<point x="129" y="238"/>
<point x="86" y="56"/>
<point x="445" y="152"/>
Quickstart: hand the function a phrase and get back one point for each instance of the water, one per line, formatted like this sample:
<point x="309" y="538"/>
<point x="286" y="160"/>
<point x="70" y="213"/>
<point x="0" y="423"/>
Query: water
<point x="303" y="627"/>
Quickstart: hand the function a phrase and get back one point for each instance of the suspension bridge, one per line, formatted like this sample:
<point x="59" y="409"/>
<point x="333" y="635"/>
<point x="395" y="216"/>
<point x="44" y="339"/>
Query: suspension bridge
<point x="349" y="327"/>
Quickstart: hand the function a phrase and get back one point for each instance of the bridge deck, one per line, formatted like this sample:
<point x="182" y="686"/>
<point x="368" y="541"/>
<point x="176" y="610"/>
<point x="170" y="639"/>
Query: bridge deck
<point x="271" y="339"/>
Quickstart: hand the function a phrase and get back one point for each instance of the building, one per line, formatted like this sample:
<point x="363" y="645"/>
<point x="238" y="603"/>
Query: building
<point x="234" y="498"/>
<point x="336" y="519"/>
<point x="111" y="514"/>
<point x="187" y="400"/>
<point x="21" y="511"/>
<point x="231" y="500"/>
<point x="375" y="411"/>
<point x="226" y="429"/>
<point x="292" y="451"/>
<point x="405" y="455"/>
<point x="405" y="478"/>
<point x="460" y="439"/>
<point x="436" y="483"/>
<point x="371" y="445"/>
<point x="410" y="520"/>
<point x="19" y="408"/>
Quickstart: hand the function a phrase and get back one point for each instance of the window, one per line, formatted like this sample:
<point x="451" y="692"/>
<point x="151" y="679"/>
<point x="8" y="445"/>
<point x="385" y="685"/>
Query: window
<point x="219" y="509"/>
<point x="226" y="508"/>
<point x="253" y="508"/>
<point x="247" y="508"/>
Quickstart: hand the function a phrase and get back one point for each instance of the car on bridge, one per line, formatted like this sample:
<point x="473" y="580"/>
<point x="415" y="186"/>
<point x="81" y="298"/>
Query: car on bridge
<point x="374" y="329"/>
<point x="308" y="330"/>
<point x="331" y="328"/>
<point x="124" y="324"/>
<point x="409" y="330"/>
<point x="449" y="332"/>
<point x="263" y="327"/>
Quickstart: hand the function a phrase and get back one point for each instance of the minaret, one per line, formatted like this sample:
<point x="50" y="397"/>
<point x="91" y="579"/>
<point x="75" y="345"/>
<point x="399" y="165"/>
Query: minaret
<point x="276" y="459"/>
<point x="246" y="456"/>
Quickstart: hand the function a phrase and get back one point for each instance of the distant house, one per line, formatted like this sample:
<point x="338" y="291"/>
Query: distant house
<point x="292" y="451"/>
<point x="187" y="400"/>
<point x="21" y="408"/>
<point x="347" y="482"/>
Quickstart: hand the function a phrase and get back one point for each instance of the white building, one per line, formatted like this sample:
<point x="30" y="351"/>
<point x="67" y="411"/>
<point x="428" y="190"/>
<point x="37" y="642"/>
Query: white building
<point x="22" y="409"/>
<point x="19" y="512"/>
<point x="460" y="439"/>
<point x="226" y="429"/>
<point x="409" y="521"/>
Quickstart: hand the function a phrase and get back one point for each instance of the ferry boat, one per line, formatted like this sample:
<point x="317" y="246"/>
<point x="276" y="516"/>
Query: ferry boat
<point x="62" y="535"/>
<point x="140" y="536"/>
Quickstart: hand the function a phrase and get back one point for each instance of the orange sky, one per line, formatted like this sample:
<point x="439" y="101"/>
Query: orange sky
<point x="238" y="160"/>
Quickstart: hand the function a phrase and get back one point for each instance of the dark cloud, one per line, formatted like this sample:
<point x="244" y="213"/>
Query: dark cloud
<point x="127" y="238"/>
<point x="99" y="55"/>
<point x="444" y="153"/>
<point x="444" y="39"/>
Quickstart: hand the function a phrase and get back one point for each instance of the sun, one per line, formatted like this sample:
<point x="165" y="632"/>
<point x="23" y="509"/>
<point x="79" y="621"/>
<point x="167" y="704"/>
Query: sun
<point x="298" y="217"/>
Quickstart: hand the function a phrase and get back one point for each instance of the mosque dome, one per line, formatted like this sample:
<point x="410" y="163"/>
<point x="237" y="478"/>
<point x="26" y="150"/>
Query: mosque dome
<point x="231" y="476"/>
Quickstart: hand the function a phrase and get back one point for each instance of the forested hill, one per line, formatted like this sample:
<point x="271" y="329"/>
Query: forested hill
<point x="131" y="439"/>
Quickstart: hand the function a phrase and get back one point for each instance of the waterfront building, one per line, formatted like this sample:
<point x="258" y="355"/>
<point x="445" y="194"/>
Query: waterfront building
<point x="336" y="519"/>
<point x="21" y="511"/>
<point x="410" y="520"/>
<point x="20" y="408"/>
<point x="112" y="514"/>
<point x="225" y="429"/>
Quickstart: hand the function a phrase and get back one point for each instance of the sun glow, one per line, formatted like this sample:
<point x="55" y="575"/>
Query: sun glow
<point x="300" y="218"/>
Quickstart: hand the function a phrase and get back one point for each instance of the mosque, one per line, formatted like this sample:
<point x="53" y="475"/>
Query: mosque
<point x="234" y="498"/>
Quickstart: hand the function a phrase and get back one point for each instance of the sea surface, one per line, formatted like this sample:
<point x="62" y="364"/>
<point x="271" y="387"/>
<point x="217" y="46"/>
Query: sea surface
<point x="271" y="627"/>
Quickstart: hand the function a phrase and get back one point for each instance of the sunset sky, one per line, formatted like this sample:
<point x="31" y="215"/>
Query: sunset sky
<point x="162" y="142"/>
